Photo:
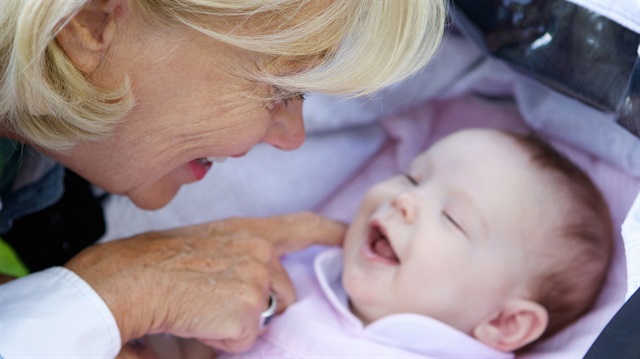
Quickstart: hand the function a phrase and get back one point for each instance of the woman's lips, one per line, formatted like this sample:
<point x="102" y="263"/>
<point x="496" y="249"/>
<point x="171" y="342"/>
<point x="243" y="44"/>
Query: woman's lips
<point x="200" y="167"/>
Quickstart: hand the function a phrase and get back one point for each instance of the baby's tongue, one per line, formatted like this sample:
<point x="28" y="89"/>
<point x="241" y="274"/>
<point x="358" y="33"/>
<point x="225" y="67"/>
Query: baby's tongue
<point x="382" y="247"/>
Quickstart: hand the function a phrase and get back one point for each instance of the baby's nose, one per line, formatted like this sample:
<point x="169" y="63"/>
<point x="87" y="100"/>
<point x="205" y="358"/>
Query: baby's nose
<point x="404" y="203"/>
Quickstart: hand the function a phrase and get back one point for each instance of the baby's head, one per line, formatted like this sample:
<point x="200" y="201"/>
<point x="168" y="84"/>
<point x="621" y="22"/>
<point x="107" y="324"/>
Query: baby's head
<point x="492" y="233"/>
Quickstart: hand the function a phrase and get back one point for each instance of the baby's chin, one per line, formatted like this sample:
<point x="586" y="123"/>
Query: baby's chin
<point x="361" y="301"/>
<point x="360" y="314"/>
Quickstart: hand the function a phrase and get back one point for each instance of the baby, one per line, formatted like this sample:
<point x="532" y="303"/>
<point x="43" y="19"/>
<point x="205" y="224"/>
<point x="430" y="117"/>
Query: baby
<point x="489" y="242"/>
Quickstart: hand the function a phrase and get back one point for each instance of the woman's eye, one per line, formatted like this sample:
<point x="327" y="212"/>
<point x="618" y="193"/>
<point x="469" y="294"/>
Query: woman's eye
<point x="287" y="96"/>
<point x="411" y="179"/>
<point x="296" y="96"/>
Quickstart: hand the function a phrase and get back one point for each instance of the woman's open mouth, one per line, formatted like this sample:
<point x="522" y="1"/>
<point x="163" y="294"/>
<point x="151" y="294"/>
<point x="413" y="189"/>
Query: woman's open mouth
<point x="379" y="244"/>
<point x="201" y="166"/>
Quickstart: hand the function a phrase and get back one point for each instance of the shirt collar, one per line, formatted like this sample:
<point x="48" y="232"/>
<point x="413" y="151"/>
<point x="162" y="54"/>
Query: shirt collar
<point x="413" y="332"/>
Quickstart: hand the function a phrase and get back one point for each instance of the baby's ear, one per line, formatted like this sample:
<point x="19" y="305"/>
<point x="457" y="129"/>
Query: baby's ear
<point x="517" y="324"/>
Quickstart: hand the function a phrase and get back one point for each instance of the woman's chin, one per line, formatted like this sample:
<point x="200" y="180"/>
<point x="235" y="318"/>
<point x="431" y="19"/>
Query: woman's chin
<point x="152" y="200"/>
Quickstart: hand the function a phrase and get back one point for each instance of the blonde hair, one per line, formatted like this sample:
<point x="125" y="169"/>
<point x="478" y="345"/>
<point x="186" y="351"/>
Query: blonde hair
<point x="354" y="48"/>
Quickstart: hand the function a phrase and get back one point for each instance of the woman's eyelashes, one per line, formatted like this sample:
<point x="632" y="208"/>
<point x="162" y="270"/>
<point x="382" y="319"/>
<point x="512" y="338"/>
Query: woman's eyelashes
<point x="296" y="96"/>
<point x="279" y="94"/>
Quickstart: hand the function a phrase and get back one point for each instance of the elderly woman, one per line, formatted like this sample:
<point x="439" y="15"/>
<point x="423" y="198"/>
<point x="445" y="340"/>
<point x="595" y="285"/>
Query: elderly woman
<point x="140" y="97"/>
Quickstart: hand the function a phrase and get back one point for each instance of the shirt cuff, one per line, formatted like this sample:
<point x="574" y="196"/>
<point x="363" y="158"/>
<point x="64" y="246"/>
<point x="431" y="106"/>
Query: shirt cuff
<point x="55" y="314"/>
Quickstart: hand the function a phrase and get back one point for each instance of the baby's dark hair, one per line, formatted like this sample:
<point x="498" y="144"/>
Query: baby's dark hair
<point x="570" y="285"/>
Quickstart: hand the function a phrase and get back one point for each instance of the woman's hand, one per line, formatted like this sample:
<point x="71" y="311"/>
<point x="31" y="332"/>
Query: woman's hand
<point x="209" y="281"/>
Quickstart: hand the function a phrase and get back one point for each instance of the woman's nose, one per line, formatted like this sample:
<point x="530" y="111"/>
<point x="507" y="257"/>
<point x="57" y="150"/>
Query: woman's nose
<point x="405" y="204"/>
<point x="286" y="130"/>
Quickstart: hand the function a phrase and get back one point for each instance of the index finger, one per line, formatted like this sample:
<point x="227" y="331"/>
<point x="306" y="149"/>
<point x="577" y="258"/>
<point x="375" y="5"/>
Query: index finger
<point x="291" y="232"/>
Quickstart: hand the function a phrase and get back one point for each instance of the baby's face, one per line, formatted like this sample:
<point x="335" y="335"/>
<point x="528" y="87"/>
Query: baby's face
<point x="446" y="240"/>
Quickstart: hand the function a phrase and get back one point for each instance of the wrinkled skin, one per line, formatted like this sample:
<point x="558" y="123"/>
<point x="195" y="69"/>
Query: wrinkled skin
<point x="191" y="102"/>
<point x="209" y="281"/>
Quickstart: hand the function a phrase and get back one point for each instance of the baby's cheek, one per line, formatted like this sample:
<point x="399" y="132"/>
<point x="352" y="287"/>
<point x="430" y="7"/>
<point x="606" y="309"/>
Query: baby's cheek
<point x="357" y="287"/>
<point x="349" y="281"/>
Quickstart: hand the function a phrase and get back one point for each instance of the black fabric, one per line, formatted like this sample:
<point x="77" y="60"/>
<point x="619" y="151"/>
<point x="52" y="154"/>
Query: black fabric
<point x="54" y="235"/>
<point x="620" y="339"/>
<point x="569" y="48"/>
<point x="629" y="112"/>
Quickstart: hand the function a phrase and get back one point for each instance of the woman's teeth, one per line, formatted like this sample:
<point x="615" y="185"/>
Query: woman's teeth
<point x="216" y="159"/>
<point x="209" y="160"/>
<point x="203" y="161"/>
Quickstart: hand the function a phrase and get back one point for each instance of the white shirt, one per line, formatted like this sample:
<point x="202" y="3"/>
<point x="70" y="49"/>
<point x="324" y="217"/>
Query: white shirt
<point x="55" y="314"/>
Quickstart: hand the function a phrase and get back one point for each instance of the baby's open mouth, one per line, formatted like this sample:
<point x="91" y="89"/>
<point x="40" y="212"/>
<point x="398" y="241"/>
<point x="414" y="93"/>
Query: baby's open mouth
<point x="380" y="245"/>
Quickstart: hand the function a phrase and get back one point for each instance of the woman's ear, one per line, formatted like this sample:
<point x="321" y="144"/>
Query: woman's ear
<point x="517" y="324"/>
<point x="87" y="37"/>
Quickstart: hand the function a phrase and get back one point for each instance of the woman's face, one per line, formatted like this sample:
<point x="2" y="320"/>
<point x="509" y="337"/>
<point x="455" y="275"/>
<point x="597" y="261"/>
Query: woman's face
<point x="189" y="106"/>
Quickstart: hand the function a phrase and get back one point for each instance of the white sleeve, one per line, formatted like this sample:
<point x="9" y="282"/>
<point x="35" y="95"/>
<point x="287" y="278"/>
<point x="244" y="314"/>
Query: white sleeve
<point x="55" y="314"/>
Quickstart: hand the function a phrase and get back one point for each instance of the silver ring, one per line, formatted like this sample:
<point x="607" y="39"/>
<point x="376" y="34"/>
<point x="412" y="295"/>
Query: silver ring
<point x="267" y="315"/>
